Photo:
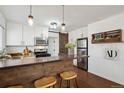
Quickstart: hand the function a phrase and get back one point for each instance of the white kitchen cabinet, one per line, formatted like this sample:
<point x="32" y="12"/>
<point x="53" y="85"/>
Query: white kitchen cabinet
<point x="23" y="35"/>
<point x="2" y="21"/>
<point x="28" y="35"/>
<point x="14" y="34"/>
<point x="40" y="31"/>
<point x="37" y="31"/>
<point x="2" y="38"/>
<point x="19" y="35"/>
<point x="2" y="32"/>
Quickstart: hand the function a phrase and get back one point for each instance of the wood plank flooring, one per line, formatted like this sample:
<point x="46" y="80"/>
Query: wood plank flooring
<point x="89" y="80"/>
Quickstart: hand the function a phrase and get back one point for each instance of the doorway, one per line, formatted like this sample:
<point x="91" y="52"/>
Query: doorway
<point x="63" y="39"/>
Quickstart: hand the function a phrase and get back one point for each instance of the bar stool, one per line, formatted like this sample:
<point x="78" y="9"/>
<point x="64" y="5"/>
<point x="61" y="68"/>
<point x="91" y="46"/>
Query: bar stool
<point x="68" y="76"/>
<point x="45" y="82"/>
<point x="15" y="86"/>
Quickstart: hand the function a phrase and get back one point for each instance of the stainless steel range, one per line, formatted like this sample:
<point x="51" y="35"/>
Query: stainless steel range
<point x="41" y="53"/>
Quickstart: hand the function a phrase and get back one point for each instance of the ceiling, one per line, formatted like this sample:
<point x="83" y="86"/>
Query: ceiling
<point x="76" y="16"/>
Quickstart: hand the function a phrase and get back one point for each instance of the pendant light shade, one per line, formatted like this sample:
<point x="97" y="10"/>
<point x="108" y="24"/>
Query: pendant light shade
<point x="63" y="24"/>
<point x="30" y="17"/>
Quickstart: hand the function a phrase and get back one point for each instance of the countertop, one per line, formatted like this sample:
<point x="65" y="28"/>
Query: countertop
<point x="26" y="61"/>
<point x="32" y="60"/>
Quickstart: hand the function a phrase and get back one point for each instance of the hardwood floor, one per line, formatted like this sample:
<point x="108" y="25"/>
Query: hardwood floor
<point x="89" y="80"/>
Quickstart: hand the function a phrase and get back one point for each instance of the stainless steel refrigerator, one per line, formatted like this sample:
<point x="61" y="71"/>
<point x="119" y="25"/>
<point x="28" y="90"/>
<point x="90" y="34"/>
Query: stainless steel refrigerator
<point x="82" y="50"/>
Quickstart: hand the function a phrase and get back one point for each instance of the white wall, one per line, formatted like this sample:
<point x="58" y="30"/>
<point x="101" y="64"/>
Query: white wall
<point x="74" y="35"/>
<point x="15" y="49"/>
<point x="98" y="64"/>
<point x="79" y="33"/>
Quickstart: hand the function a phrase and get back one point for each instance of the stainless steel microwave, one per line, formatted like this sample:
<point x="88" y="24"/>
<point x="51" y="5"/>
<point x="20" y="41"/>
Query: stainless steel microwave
<point x="40" y="41"/>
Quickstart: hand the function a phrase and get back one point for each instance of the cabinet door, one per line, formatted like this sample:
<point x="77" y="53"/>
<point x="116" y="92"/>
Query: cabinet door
<point x="0" y="38"/>
<point x="28" y="35"/>
<point x="14" y="34"/>
<point x="38" y="31"/>
<point x="2" y="20"/>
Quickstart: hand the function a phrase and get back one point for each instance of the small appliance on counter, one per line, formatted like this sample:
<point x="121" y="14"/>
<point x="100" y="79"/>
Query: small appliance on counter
<point x="41" y="53"/>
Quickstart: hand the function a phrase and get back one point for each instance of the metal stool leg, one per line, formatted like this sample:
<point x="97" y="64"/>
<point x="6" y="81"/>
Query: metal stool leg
<point x="68" y="83"/>
<point x="76" y="82"/>
<point x="60" y="83"/>
<point x="53" y="86"/>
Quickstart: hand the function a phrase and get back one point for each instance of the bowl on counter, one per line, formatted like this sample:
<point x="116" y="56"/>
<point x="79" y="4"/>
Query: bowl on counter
<point x="15" y="55"/>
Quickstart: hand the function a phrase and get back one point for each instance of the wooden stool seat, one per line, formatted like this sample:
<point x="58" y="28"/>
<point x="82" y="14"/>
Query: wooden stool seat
<point x="68" y="75"/>
<point x="16" y="86"/>
<point x="45" y="82"/>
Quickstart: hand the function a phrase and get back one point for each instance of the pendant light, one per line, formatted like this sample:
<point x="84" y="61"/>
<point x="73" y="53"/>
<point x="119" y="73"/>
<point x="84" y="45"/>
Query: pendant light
<point x="30" y="17"/>
<point x="63" y="23"/>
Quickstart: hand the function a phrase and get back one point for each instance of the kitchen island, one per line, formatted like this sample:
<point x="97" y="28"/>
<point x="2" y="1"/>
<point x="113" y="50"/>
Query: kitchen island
<point x="26" y="70"/>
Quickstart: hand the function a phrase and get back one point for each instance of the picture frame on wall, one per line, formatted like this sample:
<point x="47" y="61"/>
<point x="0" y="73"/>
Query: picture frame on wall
<point x="98" y="36"/>
<point x="111" y="54"/>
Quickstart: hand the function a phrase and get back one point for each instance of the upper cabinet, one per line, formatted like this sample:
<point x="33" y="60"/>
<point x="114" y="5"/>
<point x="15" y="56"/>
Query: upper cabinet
<point x="2" y="32"/>
<point x="38" y="31"/>
<point x="14" y="34"/>
<point x="2" y="21"/>
<point x="23" y="35"/>
<point x="28" y="35"/>
<point x="2" y="38"/>
<point x="19" y="35"/>
<point x="41" y="32"/>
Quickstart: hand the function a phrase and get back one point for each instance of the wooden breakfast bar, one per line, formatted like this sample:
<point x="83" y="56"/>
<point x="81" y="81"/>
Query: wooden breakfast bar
<point x="26" y="70"/>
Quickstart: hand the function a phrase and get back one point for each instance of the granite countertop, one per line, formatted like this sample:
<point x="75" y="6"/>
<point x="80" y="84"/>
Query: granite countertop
<point x="32" y="60"/>
<point x="26" y="61"/>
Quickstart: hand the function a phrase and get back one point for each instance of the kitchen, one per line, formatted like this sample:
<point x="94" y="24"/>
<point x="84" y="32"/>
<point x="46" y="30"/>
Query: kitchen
<point x="33" y="47"/>
<point x="38" y="38"/>
<point x="28" y="46"/>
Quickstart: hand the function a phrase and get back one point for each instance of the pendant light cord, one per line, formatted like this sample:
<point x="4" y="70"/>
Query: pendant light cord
<point x="63" y="12"/>
<point x="30" y="9"/>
